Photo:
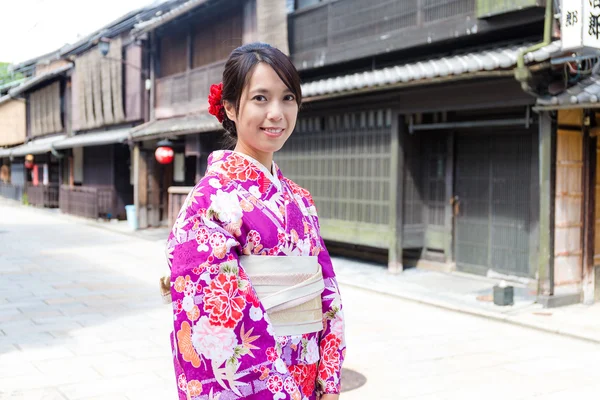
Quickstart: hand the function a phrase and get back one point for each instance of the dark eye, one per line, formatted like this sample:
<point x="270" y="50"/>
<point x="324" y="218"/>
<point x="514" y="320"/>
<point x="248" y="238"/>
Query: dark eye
<point x="290" y="97"/>
<point x="259" y="97"/>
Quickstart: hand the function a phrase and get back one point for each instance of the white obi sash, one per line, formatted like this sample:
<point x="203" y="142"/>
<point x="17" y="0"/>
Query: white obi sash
<point x="289" y="288"/>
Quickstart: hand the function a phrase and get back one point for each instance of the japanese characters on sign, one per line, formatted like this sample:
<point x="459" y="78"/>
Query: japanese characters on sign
<point x="591" y="23"/>
<point x="572" y="24"/>
<point x="572" y="18"/>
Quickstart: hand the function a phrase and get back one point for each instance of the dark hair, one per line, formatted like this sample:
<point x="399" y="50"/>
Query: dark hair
<point x="237" y="71"/>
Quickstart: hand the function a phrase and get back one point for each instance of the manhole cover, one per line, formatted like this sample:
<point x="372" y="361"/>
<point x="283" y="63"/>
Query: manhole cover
<point x="352" y="380"/>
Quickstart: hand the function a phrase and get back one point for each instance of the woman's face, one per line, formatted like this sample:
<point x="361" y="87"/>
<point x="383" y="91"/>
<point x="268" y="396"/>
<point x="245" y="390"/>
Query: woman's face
<point x="267" y="113"/>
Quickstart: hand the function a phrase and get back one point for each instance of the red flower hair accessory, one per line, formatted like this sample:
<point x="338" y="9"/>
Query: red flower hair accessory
<point x="215" y="106"/>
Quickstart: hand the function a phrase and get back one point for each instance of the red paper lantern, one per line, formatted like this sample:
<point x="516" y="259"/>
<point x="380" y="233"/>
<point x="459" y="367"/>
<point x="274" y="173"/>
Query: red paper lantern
<point x="29" y="161"/>
<point x="164" y="155"/>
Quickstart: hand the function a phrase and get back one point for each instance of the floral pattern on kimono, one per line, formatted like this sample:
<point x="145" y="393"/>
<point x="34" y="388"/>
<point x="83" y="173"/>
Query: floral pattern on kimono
<point x="223" y="343"/>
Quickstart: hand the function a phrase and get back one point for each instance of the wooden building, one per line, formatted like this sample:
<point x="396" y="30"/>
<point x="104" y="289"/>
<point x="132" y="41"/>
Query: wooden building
<point x="44" y="97"/>
<point x="414" y="138"/>
<point x="572" y="247"/>
<point x="12" y="132"/>
<point x="84" y="99"/>
<point x="189" y="47"/>
<point x="427" y="146"/>
<point x="96" y="176"/>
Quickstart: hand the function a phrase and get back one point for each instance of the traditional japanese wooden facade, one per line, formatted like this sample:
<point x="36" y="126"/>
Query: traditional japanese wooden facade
<point x="452" y="183"/>
<point x="415" y="138"/>
<point x="54" y="118"/>
<point x="96" y="173"/>
<point x="81" y="102"/>
<point x="572" y="246"/>
<point x="109" y="97"/>
<point x="448" y="161"/>
<point x="410" y="135"/>
<point x="12" y="121"/>
<point x="189" y="47"/>
<point x="12" y="132"/>
<point x="14" y="125"/>
<point x="33" y="167"/>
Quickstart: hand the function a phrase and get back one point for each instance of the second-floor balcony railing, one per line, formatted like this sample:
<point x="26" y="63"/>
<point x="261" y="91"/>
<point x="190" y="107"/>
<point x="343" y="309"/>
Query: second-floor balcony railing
<point x="187" y="91"/>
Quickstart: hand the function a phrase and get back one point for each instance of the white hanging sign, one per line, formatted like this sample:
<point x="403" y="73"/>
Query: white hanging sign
<point x="572" y="24"/>
<point x="591" y="24"/>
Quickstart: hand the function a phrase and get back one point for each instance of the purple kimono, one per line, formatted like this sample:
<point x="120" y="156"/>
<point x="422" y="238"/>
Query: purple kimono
<point x="223" y="343"/>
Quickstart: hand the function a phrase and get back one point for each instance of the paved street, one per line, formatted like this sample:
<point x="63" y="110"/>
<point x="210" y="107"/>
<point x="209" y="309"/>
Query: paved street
<point x="81" y="318"/>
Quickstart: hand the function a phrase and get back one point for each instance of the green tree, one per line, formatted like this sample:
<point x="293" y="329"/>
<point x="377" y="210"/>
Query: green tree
<point x="6" y="75"/>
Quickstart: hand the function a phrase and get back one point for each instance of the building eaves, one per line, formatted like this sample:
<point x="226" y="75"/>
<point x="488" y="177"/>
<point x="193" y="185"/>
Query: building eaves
<point x="118" y="26"/>
<point x="584" y="94"/>
<point x="500" y="58"/>
<point x="7" y="86"/>
<point x="110" y="30"/>
<point x="31" y="63"/>
<point x="31" y="83"/>
<point x="98" y="138"/>
<point x="5" y="152"/>
<point x="8" y="97"/>
<point x="197" y="123"/>
<point x="10" y="85"/>
<point x="152" y="24"/>
<point x="35" y="146"/>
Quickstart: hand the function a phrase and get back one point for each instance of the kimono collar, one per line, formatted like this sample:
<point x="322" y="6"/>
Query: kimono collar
<point x="242" y="167"/>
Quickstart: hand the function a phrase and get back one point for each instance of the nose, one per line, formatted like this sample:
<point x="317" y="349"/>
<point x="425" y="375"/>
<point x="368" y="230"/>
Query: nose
<point x="275" y="113"/>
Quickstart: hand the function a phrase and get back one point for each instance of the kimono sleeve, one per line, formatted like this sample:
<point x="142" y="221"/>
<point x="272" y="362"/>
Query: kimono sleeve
<point x="332" y="341"/>
<point x="223" y="343"/>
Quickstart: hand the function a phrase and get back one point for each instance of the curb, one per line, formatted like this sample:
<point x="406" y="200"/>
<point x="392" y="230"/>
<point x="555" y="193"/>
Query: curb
<point x="478" y="313"/>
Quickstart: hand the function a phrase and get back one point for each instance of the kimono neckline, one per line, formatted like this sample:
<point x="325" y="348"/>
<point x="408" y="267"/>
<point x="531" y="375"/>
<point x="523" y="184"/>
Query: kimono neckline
<point x="272" y="177"/>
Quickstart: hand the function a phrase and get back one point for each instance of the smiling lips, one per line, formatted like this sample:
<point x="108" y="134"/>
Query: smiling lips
<point x="273" y="132"/>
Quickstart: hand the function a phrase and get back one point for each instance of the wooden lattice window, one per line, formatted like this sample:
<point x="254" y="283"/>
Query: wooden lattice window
<point x="344" y="161"/>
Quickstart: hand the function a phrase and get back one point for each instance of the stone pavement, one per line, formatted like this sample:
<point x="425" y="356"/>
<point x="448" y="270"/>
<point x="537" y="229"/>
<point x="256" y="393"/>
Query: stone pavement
<point x="472" y="295"/>
<point x="80" y="314"/>
<point x="454" y="291"/>
<point x="80" y="318"/>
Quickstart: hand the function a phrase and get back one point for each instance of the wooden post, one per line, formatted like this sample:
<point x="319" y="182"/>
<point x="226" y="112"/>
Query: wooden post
<point x="153" y="64"/>
<point x="153" y="174"/>
<point x="596" y="198"/>
<point x="199" y="171"/>
<point x="71" y="171"/>
<point x="68" y="113"/>
<point x="546" y="225"/>
<point x="189" y="59"/>
<point x="449" y="208"/>
<point x="140" y="186"/>
<point x="534" y="202"/>
<point x="396" y="193"/>
<point x="589" y="221"/>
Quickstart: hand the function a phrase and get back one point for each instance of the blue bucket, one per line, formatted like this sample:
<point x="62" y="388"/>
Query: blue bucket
<point x="131" y="217"/>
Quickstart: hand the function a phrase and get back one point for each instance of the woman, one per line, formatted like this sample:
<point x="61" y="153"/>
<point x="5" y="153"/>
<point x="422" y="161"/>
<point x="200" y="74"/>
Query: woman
<point x="257" y="309"/>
